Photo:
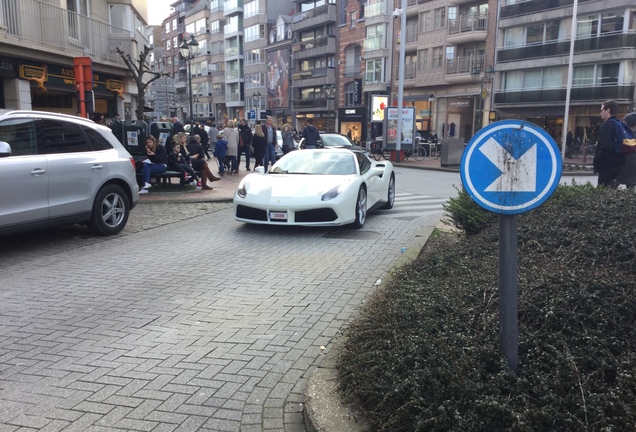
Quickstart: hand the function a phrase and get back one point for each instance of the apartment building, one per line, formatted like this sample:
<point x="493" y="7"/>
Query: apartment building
<point x="40" y="39"/>
<point x="449" y="64"/>
<point x="533" y="51"/>
<point x="314" y="54"/>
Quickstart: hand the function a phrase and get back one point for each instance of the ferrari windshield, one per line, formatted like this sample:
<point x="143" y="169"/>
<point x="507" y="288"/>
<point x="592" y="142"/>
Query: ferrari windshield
<point x="320" y="162"/>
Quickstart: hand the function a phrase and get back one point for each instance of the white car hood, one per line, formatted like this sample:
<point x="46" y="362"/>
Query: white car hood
<point x="293" y="185"/>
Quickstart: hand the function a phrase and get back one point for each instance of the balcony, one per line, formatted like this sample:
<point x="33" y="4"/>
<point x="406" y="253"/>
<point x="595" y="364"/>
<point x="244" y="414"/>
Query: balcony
<point x="353" y="71"/>
<point x="472" y="28"/>
<point x="611" y="42"/>
<point x="314" y="48"/>
<point x="53" y="29"/>
<point x="557" y="95"/>
<point x="232" y="7"/>
<point x="319" y="16"/>
<point x="535" y="6"/>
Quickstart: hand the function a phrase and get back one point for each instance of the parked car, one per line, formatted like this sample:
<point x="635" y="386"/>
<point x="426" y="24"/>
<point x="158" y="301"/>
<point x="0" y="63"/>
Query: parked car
<point x="59" y="169"/>
<point x="317" y="187"/>
<point x="333" y="139"/>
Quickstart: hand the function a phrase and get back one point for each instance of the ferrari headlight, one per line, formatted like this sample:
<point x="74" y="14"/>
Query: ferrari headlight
<point x="241" y="191"/>
<point x="333" y="193"/>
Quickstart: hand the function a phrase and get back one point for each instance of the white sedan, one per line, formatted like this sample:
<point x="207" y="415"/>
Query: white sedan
<point x="316" y="188"/>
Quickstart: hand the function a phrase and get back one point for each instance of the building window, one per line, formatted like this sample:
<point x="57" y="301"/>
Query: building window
<point x="440" y="18"/>
<point x="353" y="18"/>
<point x="422" y="59"/>
<point x="425" y="21"/>
<point x="438" y="57"/>
<point x="374" y="71"/>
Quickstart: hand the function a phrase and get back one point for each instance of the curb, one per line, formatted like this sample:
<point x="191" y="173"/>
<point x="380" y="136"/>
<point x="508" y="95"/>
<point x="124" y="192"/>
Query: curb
<point x="324" y="410"/>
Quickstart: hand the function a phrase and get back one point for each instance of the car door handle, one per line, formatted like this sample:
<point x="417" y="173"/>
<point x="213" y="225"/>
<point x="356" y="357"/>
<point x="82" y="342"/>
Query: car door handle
<point x="97" y="167"/>
<point x="38" y="172"/>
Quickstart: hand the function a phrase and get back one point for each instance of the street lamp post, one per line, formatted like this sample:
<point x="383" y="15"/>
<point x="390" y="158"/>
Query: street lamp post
<point x="329" y="89"/>
<point x="188" y="51"/>
<point x="483" y="77"/>
<point x="398" y="139"/>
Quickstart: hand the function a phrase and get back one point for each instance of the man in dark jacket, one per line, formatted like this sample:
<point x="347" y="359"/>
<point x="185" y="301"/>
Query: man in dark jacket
<point x="311" y="135"/>
<point x="608" y="162"/>
<point x="245" y="140"/>
<point x="199" y="129"/>
<point x="177" y="126"/>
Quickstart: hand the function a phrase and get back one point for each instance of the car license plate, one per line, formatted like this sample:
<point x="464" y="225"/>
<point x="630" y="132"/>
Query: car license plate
<point x="278" y="215"/>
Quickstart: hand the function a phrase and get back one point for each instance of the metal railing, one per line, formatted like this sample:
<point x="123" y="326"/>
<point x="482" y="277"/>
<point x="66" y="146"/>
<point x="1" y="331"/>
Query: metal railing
<point x="462" y="65"/>
<point x="467" y="23"/>
<point x="52" y="27"/>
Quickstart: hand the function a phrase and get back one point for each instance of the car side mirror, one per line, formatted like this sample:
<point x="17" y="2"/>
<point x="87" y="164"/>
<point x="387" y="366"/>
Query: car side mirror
<point x="5" y="149"/>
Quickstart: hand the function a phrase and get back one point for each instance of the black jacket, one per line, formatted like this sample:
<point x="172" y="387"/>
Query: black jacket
<point x="246" y="134"/>
<point x="606" y="158"/>
<point x="311" y="135"/>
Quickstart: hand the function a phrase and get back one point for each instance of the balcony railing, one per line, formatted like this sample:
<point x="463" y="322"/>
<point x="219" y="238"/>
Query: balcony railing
<point x="314" y="43"/>
<point x="352" y="71"/>
<point x="517" y="8"/>
<point x="462" y="65"/>
<point x="376" y="9"/>
<point x="559" y="48"/>
<point x="469" y="23"/>
<point x="374" y="43"/>
<point x="554" y="95"/>
<point x="52" y="27"/>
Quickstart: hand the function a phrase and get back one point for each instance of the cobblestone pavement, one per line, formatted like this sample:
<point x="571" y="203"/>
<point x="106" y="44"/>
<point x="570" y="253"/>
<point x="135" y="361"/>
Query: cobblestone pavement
<point x="204" y="324"/>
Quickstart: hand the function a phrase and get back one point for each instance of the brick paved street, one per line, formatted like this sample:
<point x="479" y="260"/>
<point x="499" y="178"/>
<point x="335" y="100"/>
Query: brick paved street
<point x="203" y="324"/>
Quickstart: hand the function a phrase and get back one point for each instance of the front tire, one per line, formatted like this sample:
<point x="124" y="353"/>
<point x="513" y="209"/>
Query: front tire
<point x="361" y="209"/>
<point x="390" y="194"/>
<point x="110" y="211"/>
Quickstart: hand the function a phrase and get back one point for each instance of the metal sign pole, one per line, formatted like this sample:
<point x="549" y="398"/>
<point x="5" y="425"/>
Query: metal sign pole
<point x="508" y="285"/>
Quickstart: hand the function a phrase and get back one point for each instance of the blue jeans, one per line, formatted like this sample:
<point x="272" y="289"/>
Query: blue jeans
<point x="150" y="169"/>
<point x="270" y="155"/>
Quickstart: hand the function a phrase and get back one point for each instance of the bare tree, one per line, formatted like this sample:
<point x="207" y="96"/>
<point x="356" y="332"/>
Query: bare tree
<point x="139" y="68"/>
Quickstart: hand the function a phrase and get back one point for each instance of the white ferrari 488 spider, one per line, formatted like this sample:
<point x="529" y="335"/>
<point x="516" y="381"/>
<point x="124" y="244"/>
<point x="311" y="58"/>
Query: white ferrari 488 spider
<point x="316" y="188"/>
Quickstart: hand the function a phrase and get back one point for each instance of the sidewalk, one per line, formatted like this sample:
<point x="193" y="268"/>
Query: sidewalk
<point x="223" y="190"/>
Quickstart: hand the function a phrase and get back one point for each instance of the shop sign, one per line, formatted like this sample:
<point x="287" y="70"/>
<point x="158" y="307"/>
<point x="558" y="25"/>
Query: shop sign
<point x="357" y="91"/>
<point x="7" y="67"/>
<point x="51" y="74"/>
<point x="460" y="102"/>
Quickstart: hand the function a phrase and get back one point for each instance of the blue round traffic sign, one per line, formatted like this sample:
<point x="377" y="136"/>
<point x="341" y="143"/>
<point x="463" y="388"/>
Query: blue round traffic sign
<point x="511" y="167"/>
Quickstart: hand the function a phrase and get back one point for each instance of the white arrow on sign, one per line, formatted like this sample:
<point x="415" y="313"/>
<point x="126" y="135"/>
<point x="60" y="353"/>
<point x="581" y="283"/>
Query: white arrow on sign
<point x="517" y="175"/>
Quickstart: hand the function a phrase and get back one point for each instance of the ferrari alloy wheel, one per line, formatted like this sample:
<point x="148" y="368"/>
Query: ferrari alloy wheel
<point x="361" y="209"/>
<point x="390" y="194"/>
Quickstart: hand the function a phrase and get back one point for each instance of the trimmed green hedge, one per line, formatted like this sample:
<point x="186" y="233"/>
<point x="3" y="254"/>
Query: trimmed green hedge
<point x="424" y="356"/>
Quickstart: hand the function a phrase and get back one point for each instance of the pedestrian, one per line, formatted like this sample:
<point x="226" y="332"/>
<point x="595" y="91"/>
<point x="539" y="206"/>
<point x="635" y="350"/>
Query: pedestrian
<point x="220" y="150"/>
<point x="245" y="142"/>
<point x="197" y="159"/>
<point x="272" y="143"/>
<point x="288" y="139"/>
<point x="627" y="176"/>
<point x="311" y="135"/>
<point x="99" y="118"/>
<point x="231" y="135"/>
<point x="179" y="160"/>
<point x="608" y="161"/>
<point x="199" y="129"/>
<point x="117" y="128"/>
<point x="177" y="126"/>
<point x="154" y="164"/>
<point x="259" y="142"/>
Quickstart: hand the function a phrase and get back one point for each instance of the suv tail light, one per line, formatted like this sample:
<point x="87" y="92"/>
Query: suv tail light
<point x="132" y="161"/>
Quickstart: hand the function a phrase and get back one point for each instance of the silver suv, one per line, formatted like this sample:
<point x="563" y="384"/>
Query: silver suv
<point x="58" y="169"/>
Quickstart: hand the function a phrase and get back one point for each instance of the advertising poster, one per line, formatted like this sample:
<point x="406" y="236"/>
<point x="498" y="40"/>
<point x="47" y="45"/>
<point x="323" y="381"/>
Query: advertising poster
<point x="391" y="126"/>
<point x="278" y="79"/>
<point x="378" y="104"/>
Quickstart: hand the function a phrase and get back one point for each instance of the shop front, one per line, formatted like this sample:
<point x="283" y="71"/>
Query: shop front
<point x="53" y="88"/>
<point x="352" y="122"/>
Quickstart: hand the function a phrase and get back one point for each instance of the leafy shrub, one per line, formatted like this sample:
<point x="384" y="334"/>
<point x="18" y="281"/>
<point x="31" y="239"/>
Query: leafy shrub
<point x="467" y="215"/>
<point x="424" y="355"/>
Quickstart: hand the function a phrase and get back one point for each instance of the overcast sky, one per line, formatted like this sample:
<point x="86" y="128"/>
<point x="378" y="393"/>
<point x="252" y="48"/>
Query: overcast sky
<point x="158" y="10"/>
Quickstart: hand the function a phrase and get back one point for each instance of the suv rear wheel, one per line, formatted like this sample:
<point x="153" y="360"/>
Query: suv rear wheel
<point x="110" y="211"/>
